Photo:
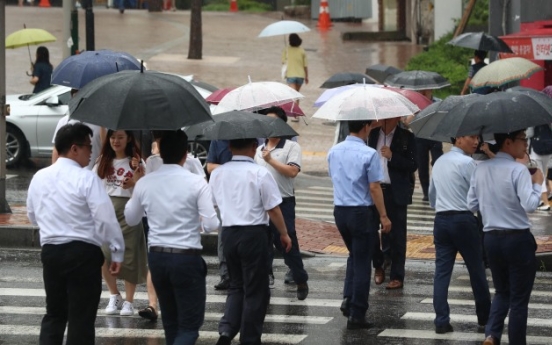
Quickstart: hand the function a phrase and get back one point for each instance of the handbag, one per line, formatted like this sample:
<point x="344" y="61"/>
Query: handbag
<point x="284" y="68"/>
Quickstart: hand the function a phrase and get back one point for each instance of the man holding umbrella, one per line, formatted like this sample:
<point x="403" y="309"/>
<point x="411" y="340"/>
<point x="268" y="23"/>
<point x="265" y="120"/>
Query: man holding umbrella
<point x="502" y="184"/>
<point x="479" y="59"/>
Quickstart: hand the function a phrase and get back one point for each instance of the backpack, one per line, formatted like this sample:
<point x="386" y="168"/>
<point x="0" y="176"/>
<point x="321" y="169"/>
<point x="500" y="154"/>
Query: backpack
<point x="541" y="143"/>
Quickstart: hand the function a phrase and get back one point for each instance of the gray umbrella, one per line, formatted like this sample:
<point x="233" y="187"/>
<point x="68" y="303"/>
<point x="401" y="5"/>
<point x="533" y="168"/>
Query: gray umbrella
<point x="417" y="80"/>
<point x="381" y="72"/>
<point x="239" y="124"/>
<point x="342" y="79"/>
<point x="480" y="41"/>
<point x="498" y="112"/>
<point x="135" y="100"/>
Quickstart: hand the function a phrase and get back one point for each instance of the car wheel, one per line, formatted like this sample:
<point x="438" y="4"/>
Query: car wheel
<point x="15" y="146"/>
<point x="199" y="150"/>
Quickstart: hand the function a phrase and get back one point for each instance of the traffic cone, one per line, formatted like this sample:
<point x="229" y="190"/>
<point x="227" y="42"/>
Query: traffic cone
<point x="44" y="3"/>
<point x="324" y="21"/>
<point x="233" y="6"/>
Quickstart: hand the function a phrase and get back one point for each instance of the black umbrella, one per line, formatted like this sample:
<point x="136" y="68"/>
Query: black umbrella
<point x="417" y="80"/>
<point x="342" y="79"/>
<point x="481" y="41"/>
<point x="381" y="72"/>
<point x="135" y="100"/>
<point x="498" y="112"/>
<point x="239" y="124"/>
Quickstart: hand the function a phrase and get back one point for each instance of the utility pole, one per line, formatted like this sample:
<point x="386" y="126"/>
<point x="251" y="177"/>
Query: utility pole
<point x="4" y="207"/>
<point x="465" y="18"/>
<point x="89" y="23"/>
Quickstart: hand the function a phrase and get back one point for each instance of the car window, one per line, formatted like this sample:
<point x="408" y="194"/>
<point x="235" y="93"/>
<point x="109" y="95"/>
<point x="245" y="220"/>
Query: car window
<point x="38" y="95"/>
<point x="64" y="98"/>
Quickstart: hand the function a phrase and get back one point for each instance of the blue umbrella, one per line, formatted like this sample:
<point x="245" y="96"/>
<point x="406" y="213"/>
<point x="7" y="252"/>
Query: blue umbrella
<point x="78" y="70"/>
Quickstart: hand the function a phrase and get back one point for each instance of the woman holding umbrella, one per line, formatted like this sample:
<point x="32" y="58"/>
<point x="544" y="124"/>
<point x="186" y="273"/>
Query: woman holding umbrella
<point x="296" y="70"/>
<point x="42" y="70"/>
<point x="117" y="165"/>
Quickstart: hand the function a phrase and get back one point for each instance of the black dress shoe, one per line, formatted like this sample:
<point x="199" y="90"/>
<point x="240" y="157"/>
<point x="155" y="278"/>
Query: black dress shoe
<point x="353" y="323"/>
<point x="302" y="291"/>
<point x="444" y="329"/>
<point x="345" y="306"/>
<point x="223" y="284"/>
<point x="224" y="339"/>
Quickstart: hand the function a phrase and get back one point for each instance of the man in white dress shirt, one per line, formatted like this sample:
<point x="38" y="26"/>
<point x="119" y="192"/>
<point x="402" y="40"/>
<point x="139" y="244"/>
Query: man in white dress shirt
<point x="75" y="217"/>
<point x="178" y="204"/>
<point x="247" y="197"/>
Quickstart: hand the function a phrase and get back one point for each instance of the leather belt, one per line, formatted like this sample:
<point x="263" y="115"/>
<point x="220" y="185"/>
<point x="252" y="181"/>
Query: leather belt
<point x="175" y="250"/>
<point x="452" y="213"/>
<point x="505" y="232"/>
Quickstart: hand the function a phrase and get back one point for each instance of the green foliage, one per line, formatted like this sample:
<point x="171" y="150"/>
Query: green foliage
<point x="243" y="5"/>
<point x="450" y="61"/>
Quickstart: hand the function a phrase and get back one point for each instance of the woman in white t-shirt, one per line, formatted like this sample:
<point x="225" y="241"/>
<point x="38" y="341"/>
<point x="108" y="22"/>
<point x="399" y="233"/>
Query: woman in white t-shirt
<point x="118" y="163"/>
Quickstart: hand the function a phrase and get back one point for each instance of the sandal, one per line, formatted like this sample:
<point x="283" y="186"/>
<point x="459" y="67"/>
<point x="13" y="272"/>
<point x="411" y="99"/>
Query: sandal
<point x="148" y="313"/>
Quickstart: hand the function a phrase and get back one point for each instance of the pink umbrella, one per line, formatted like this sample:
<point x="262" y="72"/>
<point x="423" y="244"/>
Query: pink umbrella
<point x="216" y="96"/>
<point x="415" y="97"/>
<point x="292" y="109"/>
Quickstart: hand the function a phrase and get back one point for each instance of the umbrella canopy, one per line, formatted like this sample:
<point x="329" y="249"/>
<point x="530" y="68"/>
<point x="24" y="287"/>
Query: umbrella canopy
<point x="217" y="95"/>
<point x="138" y="100"/>
<point x="342" y="79"/>
<point x="417" y="98"/>
<point x="257" y="95"/>
<point x="480" y="41"/>
<point x="292" y="109"/>
<point x="504" y="71"/>
<point x="498" y="112"/>
<point x="78" y="70"/>
<point x="380" y="72"/>
<point x="365" y="103"/>
<point x="417" y="80"/>
<point x="283" y="27"/>
<point x="30" y="36"/>
<point x="240" y="125"/>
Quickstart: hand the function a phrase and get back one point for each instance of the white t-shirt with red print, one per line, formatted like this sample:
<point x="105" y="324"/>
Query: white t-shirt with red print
<point x="113" y="182"/>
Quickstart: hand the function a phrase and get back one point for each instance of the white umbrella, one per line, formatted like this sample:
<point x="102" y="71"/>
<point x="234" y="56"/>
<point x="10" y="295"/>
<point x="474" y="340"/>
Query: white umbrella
<point x="283" y="27"/>
<point x="504" y="71"/>
<point x="366" y="103"/>
<point x="257" y="95"/>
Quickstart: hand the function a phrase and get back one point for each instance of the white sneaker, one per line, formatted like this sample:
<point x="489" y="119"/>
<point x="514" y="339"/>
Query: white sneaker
<point x="127" y="309"/>
<point x="115" y="303"/>
<point x="544" y="208"/>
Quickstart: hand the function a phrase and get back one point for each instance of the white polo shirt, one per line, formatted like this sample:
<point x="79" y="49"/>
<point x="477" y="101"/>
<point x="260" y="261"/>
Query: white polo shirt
<point x="244" y="191"/>
<point x="286" y="152"/>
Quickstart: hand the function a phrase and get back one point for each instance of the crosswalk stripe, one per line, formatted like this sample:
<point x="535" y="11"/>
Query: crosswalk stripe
<point x="150" y="333"/>
<point x="469" y="290"/>
<point x="544" y="280"/>
<point x="312" y="320"/>
<point x="471" y="302"/>
<point x="533" y="322"/>
<point x="455" y="336"/>
<point x="310" y="302"/>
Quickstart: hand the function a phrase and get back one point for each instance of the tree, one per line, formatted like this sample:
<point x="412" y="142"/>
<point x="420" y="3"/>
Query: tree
<point x="196" y="37"/>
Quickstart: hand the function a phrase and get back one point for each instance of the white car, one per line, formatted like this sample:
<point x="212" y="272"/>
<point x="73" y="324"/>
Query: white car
<point x="32" y="120"/>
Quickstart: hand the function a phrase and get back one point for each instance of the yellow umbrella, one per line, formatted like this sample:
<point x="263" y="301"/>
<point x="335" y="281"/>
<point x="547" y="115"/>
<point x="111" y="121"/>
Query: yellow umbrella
<point x="28" y="36"/>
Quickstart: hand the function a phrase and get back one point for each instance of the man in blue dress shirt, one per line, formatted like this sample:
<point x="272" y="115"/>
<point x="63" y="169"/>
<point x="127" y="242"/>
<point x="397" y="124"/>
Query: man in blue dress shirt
<point x="356" y="173"/>
<point x="456" y="230"/>
<point x="504" y="192"/>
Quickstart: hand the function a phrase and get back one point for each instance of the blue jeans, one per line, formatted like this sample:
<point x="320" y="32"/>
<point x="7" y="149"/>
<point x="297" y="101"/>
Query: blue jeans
<point x="292" y="258"/>
<point x="295" y="80"/>
<point x="179" y="281"/>
<point x="452" y="234"/>
<point x="358" y="227"/>
<point x="513" y="266"/>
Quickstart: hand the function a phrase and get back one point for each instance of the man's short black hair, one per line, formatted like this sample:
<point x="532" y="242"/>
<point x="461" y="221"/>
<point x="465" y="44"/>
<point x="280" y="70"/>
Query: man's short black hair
<point x="239" y="144"/>
<point x="173" y="146"/>
<point x="71" y="134"/>
<point x="500" y="138"/>
<point x="281" y="113"/>
<point x="481" y="54"/>
<point x="356" y="126"/>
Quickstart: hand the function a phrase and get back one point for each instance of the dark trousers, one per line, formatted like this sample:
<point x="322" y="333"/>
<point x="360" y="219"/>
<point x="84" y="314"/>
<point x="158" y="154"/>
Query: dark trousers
<point x="423" y="148"/>
<point x="223" y="270"/>
<point x="393" y="244"/>
<point x="73" y="283"/>
<point x="179" y="280"/>
<point x="452" y="234"/>
<point x="358" y="227"/>
<point x="245" y="249"/>
<point x="292" y="258"/>
<point x="513" y="266"/>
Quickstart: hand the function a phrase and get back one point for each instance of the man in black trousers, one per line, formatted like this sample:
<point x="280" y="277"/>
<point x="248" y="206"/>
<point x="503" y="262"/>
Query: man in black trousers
<point x="397" y="149"/>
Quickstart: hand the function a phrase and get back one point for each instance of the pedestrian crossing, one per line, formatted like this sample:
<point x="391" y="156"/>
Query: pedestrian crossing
<point x="316" y="203"/>
<point x="401" y="316"/>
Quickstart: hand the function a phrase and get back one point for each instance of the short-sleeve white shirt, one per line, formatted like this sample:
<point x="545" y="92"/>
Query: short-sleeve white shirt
<point x="286" y="152"/>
